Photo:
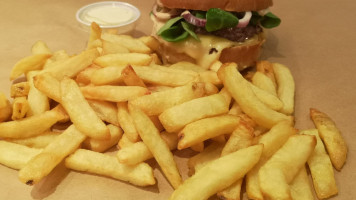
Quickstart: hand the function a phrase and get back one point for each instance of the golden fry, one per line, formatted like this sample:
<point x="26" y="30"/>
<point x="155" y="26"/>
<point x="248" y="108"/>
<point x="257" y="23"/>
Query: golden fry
<point x="240" y="90"/>
<point x="331" y="136"/>
<point x="106" y="165"/>
<point x="321" y="168"/>
<point x="16" y="156"/>
<point x="43" y="163"/>
<point x="80" y="112"/>
<point x="158" y="147"/>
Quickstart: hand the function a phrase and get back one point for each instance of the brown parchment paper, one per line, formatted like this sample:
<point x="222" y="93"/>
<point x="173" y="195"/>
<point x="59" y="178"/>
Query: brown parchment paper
<point x="316" y="40"/>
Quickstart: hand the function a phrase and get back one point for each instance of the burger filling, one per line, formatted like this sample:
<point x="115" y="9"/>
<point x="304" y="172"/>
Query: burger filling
<point x="178" y="24"/>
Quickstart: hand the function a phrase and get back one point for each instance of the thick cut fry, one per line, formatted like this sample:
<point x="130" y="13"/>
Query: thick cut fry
<point x="184" y="65"/>
<point x="156" y="103"/>
<point x="33" y="125"/>
<point x="266" y="68"/>
<point x="39" y="141"/>
<point x="218" y="174"/>
<point x="30" y="63"/>
<point x="103" y="145"/>
<point x="37" y="101"/>
<point x="123" y="59"/>
<point x="95" y="35"/>
<point x="106" y="111"/>
<point x="126" y="122"/>
<point x="241" y="137"/>
<point x="272" y="141"/>
<point x="112" y="75"/>
<point x="106" y="165"/>
<point x="130" y="77"/>
<point x="20" y="89"/>
<point x="40" y="47"/>
<point x="158" y="147"/>
<point x="107" y="76"/>
<point x="48" y="85"/>
<point x="124" y="142"/>
<point x="112" y="48"/>
<point x="267" y="98"/>
<point x="286" y="87"/>
<point x="151" y="42"/>
<point x="209" y="153"/>
<point x="245" y="97"/>
<point x="264" y="82"/>
<point x="321" y="169"/>
<point x="72" y="66"/>
<point x="180" y="115"/>
<point x="210" y="77"/>
<point x="84" y="77"/>
<point x="206" y="128"/>
<point x="138" y="152"/>
<point x="20" y="108"/>
<point x="15" y="155"/>
<point x="42" y="164"/>
<point x="284" y="165"/>
<point x="113" y="93"/>
<point x="80" y="112"/>
<point x="300" y="187"/>
<point x="5" y="108"/>
<point x="331" y="136"/>
<point x="134" y="45"/>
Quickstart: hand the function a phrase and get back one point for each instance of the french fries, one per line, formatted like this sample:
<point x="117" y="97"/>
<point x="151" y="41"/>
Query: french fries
<point x="123" y="59"/>
<point x="43" y="163"/>
<point x="80" y="112"/>
<point x="286" y="87"/>
<point x="106" y="165"/>
<point x="116" y="98"/>
<point x="275" y="175"/>
<point x="113" y="93"/>
<point x="206" y="128"/>
<point x="20" y="107"/>
<point x="180" y="115"/>
<point x="218" y="174"/>
<point x="15" y="155"/>
<point x="321" y="168"/>
<point x="34" y="125"/>
<point x="331" y="136"/>
<point x="157" y="102"/>
<point x="244" y="96"/>
<point x="37" y="101"/>
<point x="160" y="150"/>
<point x="20" y="89"/>
<point x="103" y="145"/>
<point x="30" y="63"/>
<point x="5" y="108"/>
<point x="301" y="188"/>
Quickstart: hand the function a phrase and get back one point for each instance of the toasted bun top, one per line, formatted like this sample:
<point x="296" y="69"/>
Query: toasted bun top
<point x="228" y="5"/>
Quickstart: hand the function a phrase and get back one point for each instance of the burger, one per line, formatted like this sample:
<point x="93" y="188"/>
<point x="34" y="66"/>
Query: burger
<point x="203" y="31"/>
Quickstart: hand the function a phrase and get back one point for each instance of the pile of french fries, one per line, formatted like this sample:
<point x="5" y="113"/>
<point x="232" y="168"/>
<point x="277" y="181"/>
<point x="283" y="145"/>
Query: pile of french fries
<point x="117" y="95"/>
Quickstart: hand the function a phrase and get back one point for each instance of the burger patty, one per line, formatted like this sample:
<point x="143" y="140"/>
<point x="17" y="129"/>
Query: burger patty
<point x="235" y="34"/>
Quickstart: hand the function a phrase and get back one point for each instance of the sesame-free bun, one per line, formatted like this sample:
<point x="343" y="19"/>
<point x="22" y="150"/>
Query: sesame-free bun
<point x="228" y="5"/>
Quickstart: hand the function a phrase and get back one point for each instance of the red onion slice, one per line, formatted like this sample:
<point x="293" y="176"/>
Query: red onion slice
<point x="190" y="18"/>
<point x="245" y="20"/>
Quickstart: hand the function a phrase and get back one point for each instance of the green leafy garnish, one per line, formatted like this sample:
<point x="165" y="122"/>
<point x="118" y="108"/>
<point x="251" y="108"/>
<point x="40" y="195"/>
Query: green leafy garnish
<point x="168" y="24"/>
<point x="270" y="20"/>
<point x="217" y="19"/>
<point x="174" y="34"/>
<point x="189" y="28"/>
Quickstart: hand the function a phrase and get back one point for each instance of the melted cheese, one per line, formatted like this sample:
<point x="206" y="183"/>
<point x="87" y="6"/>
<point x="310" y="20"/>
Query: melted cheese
<point x="201" y="50"/>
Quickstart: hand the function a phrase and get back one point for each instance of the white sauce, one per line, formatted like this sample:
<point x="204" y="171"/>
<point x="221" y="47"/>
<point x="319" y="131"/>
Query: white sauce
<point x="108" y="15"/>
